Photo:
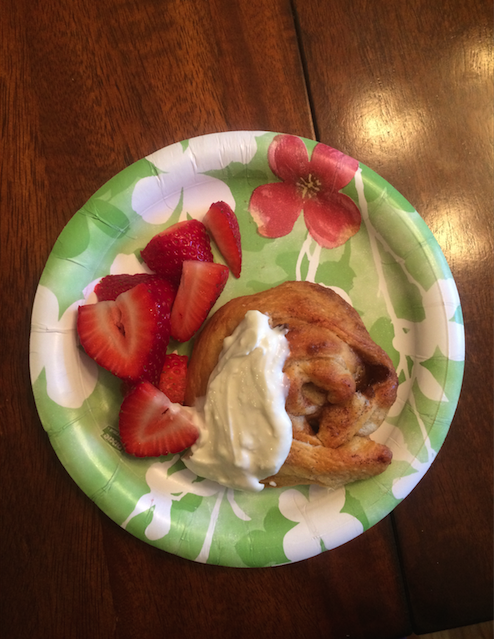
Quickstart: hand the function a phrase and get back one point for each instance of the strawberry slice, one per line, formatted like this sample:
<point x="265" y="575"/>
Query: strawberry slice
<point x="167" y="251"/>
<point x="128" y="336"/>
<point x="111" y="286"/>
<point x="222" y="223"/>
<point x="200" y="286"/>
<point x="151" y="425"/>
<point x="173" y="377"/>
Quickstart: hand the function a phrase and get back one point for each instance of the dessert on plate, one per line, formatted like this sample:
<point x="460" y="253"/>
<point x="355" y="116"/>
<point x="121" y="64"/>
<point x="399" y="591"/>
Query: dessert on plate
<point x="340" y="383"/>
<point x="283" y="387"/>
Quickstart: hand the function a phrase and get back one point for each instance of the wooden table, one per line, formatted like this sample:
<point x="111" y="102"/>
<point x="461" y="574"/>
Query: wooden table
<point x="89" y="87"/>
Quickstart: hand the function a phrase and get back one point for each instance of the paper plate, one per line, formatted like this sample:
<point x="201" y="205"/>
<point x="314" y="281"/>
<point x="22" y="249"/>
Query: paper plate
<point x="393" y="272"/>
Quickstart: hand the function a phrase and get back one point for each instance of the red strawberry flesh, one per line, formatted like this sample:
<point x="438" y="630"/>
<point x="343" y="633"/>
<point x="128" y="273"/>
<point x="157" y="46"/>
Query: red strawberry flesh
<point x="200" y="286"/>
<point x="173" y="377"/>
<point x="111" y="286"/>
<point x="128" y="336"/>
<point x="167" y="251"/>
<point x="151" y="425"/>
<point x="222" y="223"/>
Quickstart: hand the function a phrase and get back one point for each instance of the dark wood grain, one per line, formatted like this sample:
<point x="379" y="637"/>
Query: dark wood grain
<point x="407" y="89"/>
<point x="309" y="599"/>
<point x="88" y="88"/>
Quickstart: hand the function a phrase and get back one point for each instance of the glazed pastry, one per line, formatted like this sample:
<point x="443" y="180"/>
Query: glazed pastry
<point x="341" y="384"/>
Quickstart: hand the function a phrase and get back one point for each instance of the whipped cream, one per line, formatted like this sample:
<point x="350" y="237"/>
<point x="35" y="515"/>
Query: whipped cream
<point x="245" y="431"/>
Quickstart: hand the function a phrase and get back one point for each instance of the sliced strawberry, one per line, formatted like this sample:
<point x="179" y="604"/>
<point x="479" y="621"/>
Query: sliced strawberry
<point x="111" y="286"/>
<point x="200" y="286"/>
<point x="222" y="223"/>
<point x="173" y="377"/>
<point x="166" y="252"/>
<point x="151" y="425"/>
<point x="128" y="336"/>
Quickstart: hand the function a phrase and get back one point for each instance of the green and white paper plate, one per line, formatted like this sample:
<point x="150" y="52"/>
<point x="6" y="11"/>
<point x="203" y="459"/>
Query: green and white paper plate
<point x="392" y="271"/>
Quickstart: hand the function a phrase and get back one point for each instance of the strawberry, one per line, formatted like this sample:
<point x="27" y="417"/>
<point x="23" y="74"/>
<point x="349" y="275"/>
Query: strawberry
<point x="111" y="286"/>
<point x="151" y="425"/>
<point x="222" y="223"/>
<point x="200" y="286"/>
<point x="128" y="336"/>
<point x="166" y="251"/>
<point x="173" y="377"/>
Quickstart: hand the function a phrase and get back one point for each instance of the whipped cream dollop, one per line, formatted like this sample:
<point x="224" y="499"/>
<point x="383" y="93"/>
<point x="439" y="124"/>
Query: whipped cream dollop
<point x="245" y="431"/>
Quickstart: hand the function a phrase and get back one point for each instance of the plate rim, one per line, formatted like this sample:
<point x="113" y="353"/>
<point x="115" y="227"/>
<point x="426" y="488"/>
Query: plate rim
<point x="451" y="288"/>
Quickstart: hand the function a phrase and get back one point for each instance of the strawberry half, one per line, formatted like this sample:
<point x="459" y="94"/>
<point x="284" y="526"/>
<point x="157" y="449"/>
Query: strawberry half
<point x="128" y="336"/>
<point x="173" y="377"/>
<point x="167" y="251"/>
<point x="151" y="425"/>
<point x="222" y="223"/>
<point x="201" y="285"/>
<point x="111" y="286"/>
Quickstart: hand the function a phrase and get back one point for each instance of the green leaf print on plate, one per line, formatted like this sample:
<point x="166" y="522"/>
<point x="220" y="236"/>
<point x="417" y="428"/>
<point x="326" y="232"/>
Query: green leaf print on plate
<point x="392" y="271"/>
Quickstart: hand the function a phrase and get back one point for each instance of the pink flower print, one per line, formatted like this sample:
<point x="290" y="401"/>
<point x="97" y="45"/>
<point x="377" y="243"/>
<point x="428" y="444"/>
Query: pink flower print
<point x="313" y="186"/>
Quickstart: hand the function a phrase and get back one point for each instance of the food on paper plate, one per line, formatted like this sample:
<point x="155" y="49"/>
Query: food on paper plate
<point x="151" y="425"/>
<point x="127" y="331"/>
<point x="166" y="252"/>
<point x="245" y="431"/>
<point x="341" y="384"/>
<point x="200" y="286"/>
<point x="128" y="336"/>
<point x="283" y="387"/>
<point x="222" y="223"/>
<point x="111" y="286"/>
<point x="173" y="377"/>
